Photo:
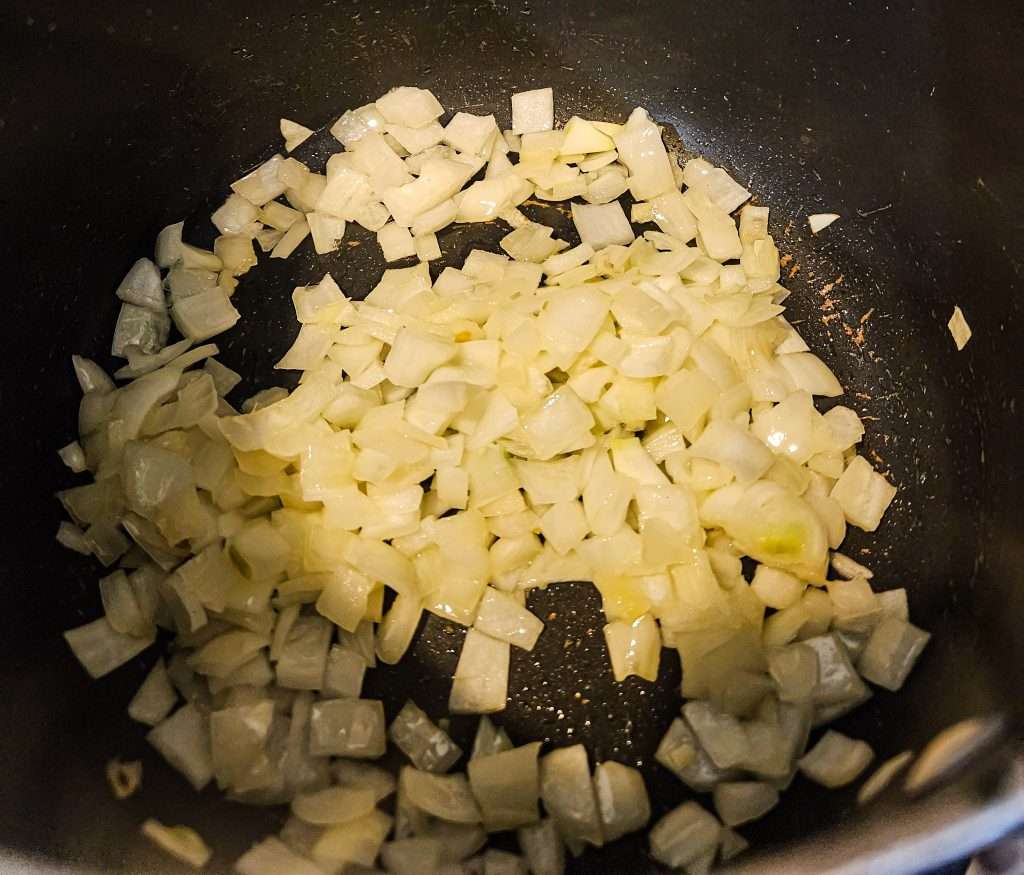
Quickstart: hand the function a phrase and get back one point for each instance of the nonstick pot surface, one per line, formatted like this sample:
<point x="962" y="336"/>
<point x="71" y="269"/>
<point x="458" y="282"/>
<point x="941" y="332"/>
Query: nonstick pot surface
<point x="905" y="121"/>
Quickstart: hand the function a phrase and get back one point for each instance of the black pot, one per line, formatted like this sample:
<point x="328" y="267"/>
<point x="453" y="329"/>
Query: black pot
<point x="905" y="120"/>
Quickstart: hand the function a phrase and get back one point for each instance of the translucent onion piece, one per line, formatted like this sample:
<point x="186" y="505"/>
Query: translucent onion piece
<point x="684" y="835"/>
<point x="100" y="648"/>
<point x="272" y="857"/>
<point x="343" y="676"/>
<point x="533" y="111"/>
<point x="334" y="805"/>
<point x="863" y="494"/>
<point x="360" y="775"/>
<point x="568" y="794"/>
<point x="489" y="739"/>
<point x="503" y="863"/>
<point x="836" y="760"/>
<point x="641" y="149"/>
<point x="124" y="778"/>
<point x="506" y="786"/>
<point x="480" y="685"/>
<point x="542" y="847"/>
<point x="357" y="842"/>
<point x="719" y="734"/>
<point x="838" y="681"/>
<point x="428" y="747"/>
<point x="349" y="728"/>
<point x="183" y="739"/>
<point x="820" y="221"/>
<point x="743" y="801"/>
<point x="959" y="328"/>
<point x="502" y="617"/>
<point x="881" y="777"/>
<point x="445" y="796"/>
<point x="411" y="856"/>
<point x="622" y="800"/>
<point x="891" y="651"/>
<point x="155" y="698"/>
<point x="181" y="842"/>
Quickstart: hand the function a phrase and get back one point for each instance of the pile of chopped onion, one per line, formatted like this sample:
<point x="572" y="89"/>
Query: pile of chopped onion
<point x="634" y="410"/>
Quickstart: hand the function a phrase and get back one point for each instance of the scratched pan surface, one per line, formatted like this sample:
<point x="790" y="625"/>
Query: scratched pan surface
<point x="119" y="120"/>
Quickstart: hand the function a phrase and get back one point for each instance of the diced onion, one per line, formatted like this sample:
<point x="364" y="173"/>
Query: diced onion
<point x="820" y="221"/>
<point x="959" y="328"/>
<point x="428" y="747"/>
<point x="836" y="760"/>
<point x="124" y="778"/>
<point x="181" y="842"/>
<point x="635" y="411"/>
<point x="568" y="794"/>
<point x="506" y="787"/>
<point x="684" y="835"/>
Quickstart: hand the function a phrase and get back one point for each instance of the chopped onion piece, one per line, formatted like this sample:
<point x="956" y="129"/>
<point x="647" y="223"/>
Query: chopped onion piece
<point x="503" y="863"/>
<point x="849" y="568"/>
<point x="124" y="778"/>
<point x="447" y="797"/>
<point x="568" y="794"/>
<point x="634" y="647"/>
<point x="882" y="776"/>
<point x="601" y="225"/>
<point x="719" y="734"/>
<point x="360" y="775"/>
<point x="334" y="805"/>
<point x="542" y="847"/>
<point x="836" y="760"/>
<point x="294" y="134"/>
<point x="180" y="842"/>
<point x="355" y="843"/>
<point x="343" y="676"/>
<point x="489" y="740"/>
<point x="481" y="676"/>
<point x="428" y="747"/>
<point x="410" y="856"/>
<point x="891" y="651"/>
<point x="684" y="835"/>
<point x="155" y="698"/>
<point x="641" y="149"/>
<point x="168" y="245"/>
<point x="183" y="739"/>
<point x="506" y="787"/>
<point x="72" y="537"/>
<point x="100" y="648"/>
<point x="302" y="659"/>
<point x="414" y="107"/>
<point x="740" y="802"/>
<point x="142" y="287"/>
<point x="347" y="727"/>
<point x="502" y="617"/>
<point x="533" y="111"/>
<point x="863" y="494"/>
<point x="273" y="857"/>
<point x="622" y="800"/>
<point x="959" y="328"/>
<point x="262" y="184"/>
<point x="794" y="669"/>
<point x="820" y="221"/>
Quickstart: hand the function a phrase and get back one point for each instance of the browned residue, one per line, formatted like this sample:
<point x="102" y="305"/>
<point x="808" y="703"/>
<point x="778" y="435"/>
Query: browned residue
<point x="785" y="260"/>
<point x="794" y="270"/>
<point x="864" y="396"/>
<point x="857" y="337"/>
<point x="830" y="317"/>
